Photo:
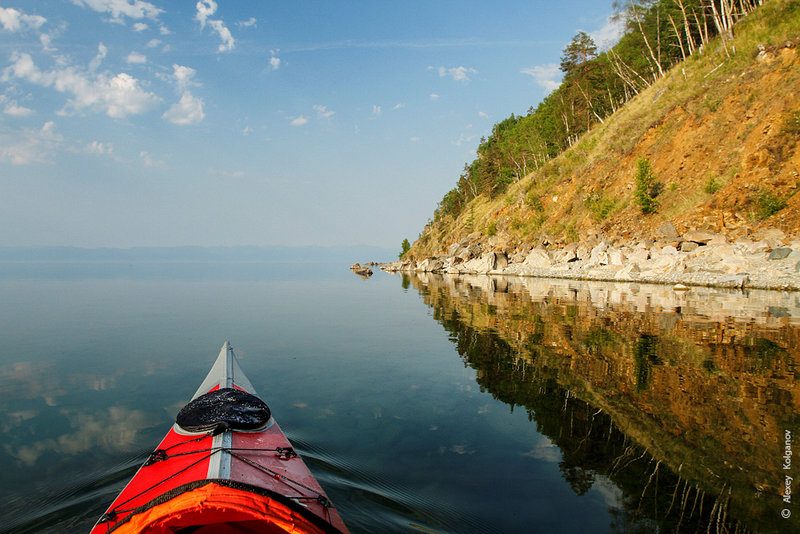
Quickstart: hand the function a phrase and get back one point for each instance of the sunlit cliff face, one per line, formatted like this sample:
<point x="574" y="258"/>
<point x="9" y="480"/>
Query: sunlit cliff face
<point x="705" y="381"/>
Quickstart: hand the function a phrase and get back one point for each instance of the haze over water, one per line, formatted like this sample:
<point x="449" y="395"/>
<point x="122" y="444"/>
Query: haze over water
<point x="421" y="403"/>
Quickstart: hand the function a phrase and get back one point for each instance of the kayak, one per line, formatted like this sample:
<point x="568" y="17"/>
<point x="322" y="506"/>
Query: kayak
<point x="225" y="466"/>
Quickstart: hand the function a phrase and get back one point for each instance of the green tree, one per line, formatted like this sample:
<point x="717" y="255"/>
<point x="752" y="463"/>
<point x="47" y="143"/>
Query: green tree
<point x="647" y="188"/>
<point x="405" y="246"/>
<point x="578" y="54"/>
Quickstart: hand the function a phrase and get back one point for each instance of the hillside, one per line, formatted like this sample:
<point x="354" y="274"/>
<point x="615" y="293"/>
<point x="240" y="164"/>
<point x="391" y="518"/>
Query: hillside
<point x="720" y="131"/>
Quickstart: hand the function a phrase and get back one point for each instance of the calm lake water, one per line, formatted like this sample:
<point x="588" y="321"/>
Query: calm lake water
<point x="422" y="404"/>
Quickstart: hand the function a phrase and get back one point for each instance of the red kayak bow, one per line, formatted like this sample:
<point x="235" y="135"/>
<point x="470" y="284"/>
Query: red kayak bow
<point x="225" y="466"/>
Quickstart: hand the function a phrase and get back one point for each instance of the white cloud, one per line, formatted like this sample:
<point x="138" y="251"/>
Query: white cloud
<point x="459" y="74"/>
<point x="483" y="115"/>
<point x="148" y="161"/>
<point x="29" y="145"/>
<point x="96" y="147"/>
<point x="463" y="138"/>
<point x="299" y="121"/>
<point x="247" y="23"/>
<point x="117" y="96"/>
<point x="226" y="174"/>
<point x="546" y="451"/>
<point x="188" y="111"/>
<point x="183" y="76"/>
<point x="15" y="110"/>
<point x="136" y="58"/>
<point x="247" y="130"/>
<point x="205" y="9"/>
<point x="47" y="40"/>
<point x="140" y="27"/>
<point x="135" y="9"/>
<point x="14" y="21"/>
<point x="414" y="139"/>
<point x="546" y="76"/>
<point x="102" y="51"/>
<point x="433" y="96"/>
<point x="224" y="34"/>
<point x="377" y="111"/>
<point x="399" y="106"/>
<point x="609" y="34"/>
<point x="323" y="112"/>
<point x="274" y="62"/>
<point x="153" y="43"/>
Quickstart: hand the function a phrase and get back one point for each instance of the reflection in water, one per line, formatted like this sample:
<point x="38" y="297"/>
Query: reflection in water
<point x="674" y="403"/>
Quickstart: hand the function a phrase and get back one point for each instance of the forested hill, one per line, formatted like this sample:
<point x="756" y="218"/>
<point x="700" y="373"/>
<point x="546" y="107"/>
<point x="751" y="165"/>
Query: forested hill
<point x="693" y="117"/>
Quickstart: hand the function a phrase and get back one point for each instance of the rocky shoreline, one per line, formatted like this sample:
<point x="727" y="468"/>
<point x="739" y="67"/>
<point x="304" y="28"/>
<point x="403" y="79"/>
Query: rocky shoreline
<point x="767" y="260"/>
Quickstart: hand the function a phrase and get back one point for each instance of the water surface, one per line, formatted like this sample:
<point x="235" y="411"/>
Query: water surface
<point x="421" y="404"/>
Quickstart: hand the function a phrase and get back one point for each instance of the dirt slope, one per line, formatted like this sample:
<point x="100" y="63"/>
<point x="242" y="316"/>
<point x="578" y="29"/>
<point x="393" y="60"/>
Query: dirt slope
<point x="721" y="131"/>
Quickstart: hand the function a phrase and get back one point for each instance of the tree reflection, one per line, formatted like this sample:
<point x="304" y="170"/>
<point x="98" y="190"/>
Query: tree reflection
<point x="650" y="401"/>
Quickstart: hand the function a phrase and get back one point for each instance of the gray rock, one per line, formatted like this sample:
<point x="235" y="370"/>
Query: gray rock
<point x="616" y="257"/>
<point x="699" y="236"/>
<point x="689" y="246"/>
<point x="583" y="251"/>
<point x="497" y="261"/>
<point x="538" y="257"/>
<point x="780" y="253"/>
<point x="430" y="264"/>
<point x="667" y="231"/>
<point x="566" y="255"/>
<point x="639" y="255"/>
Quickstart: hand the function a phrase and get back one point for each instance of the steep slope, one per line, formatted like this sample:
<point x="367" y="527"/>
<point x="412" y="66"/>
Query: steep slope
<point x="721" y="132"/>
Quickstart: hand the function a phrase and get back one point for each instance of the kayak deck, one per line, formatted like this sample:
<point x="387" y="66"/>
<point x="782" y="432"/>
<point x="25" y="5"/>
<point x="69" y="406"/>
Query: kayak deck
<point x="223" y="480"/>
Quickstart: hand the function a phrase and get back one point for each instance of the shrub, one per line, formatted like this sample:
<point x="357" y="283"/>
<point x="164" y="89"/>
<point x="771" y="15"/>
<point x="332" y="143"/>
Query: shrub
<point x="712" y="185"/>
<point x="647" y="188"/>
<point x="532" y="200"/>
<point x="491" y="228"/>
<point x="768" y="204"/>
<point x="599" y="206"/>
<point x="791" y="124"/>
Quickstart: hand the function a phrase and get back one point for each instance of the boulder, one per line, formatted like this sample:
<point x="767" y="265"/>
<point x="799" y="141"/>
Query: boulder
<point x="429" y="265"/>
<point x="566" y="256"/>
<point x="497" y="261"/>
<point x="718" y="239"/>
<point x="774" y="234"/>
<point x="639" y="255"/>
<point x="583" y="252"/>
<point x="780" y="253"/>
<point x="689" y="246"/>
<point x="701" y="237"/>
<point x="628" y="272"/>
<point x="616" y="257"/>
<point x="538" y="258"/>
<point x="667" y="231"/>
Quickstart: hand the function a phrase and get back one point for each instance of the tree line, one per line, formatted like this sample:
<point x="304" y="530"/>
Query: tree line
<point x="658" y="34"/>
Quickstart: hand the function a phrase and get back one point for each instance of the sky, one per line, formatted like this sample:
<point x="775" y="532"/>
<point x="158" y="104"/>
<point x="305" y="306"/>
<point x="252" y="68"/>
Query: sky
<point x="150" y="123"/>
